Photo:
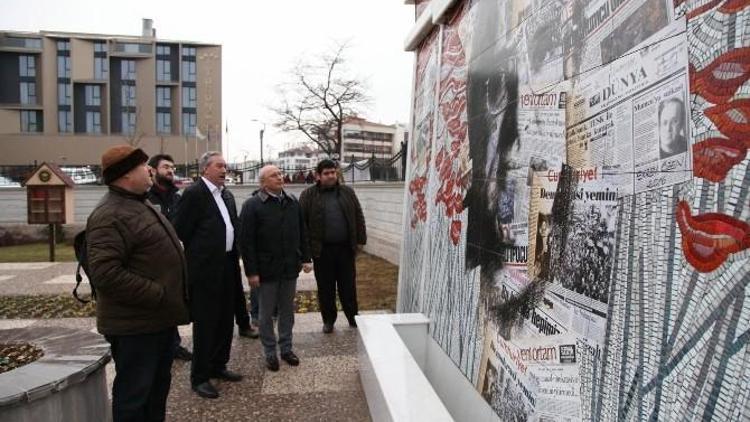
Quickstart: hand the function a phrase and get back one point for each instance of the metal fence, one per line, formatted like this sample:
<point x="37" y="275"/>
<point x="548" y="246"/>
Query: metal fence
<point x="364" y="170"/>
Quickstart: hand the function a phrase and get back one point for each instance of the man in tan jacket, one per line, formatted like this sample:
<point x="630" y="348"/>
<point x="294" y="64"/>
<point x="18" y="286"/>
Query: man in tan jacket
<point x="138" y="271"/>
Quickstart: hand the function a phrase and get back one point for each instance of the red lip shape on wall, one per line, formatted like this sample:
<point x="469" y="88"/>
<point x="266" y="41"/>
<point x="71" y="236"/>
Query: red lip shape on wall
<point x="719" y="81"/>
<point x="732" y="119"/>
<point x="714" y="157"/>
<point x="709" y="239"/>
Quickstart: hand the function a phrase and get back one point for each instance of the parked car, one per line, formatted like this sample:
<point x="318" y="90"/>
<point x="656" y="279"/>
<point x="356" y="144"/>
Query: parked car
<point x="6" y="182"/>
<point x="81" y="175"/>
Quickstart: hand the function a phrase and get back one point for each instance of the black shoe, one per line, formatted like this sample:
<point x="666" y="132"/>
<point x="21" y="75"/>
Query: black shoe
<point x="328" y="328"/>
<point x="206" y="390"/>
<point x="182" y="353"/>
<point x="249" y="332"/>
<point x="353" y="323"/>
<point x="227" y="375"/>
<point x="290" y="358"/>
<point x="272" y="363"/>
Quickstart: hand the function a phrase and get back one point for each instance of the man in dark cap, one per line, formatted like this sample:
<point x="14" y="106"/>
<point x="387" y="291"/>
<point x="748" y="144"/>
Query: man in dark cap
<point x="140" y="299"/>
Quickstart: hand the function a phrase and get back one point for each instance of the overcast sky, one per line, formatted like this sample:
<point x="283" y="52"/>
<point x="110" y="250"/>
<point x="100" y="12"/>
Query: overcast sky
<point x="261" y="41"/>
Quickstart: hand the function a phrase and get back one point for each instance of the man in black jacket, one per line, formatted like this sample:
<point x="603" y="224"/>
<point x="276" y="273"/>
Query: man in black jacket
<point x="164" y="195"/>
<point x="205" y="221"/>
<point x="335" y="226"/>
<point x="274" y="250"/>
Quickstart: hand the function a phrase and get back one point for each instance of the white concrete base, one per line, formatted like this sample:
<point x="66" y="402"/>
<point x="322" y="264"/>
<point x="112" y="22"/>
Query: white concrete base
<point x="406" y="376"/>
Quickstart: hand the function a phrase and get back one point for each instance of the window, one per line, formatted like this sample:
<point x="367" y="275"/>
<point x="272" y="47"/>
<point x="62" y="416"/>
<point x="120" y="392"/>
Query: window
<point x="188" y="123"/>
<point x="63" y="67"/>
<point x="127" y="70"/>
<point x="63" y="94"/>
<point x="64" y="121"/>
<point x="163" y="122"/>
<point x="133" y="48"/>
<point x="163" y="70"/>
<point x="93" y="122"/>
<point x="100" y="47"/>
<point x="162" y="50"/>
<point x="93" y="95"/>
<point x="128" y="122"/>
<point x="189" y="97"/>
<point x="101" y="68"/>
<point x="128" y="95"/>
<point x="33" y="43"/>
<point x="188" y="71"/>
<point x="31" y="121"/>
<point x="188" y="51"/>
<point x="163" y="97"/>
<point x="27" y="66"/>
<point x="28" y="93"/>
<point x="63" y="45"/>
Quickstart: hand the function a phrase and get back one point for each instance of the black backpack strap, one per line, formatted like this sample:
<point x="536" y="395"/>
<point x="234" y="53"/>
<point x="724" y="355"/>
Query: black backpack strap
<point x="79" y="279"/>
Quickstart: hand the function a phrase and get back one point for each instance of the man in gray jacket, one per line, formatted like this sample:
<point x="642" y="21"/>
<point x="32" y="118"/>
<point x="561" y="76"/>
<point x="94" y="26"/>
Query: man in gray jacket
<point x="138" y="270"/>
<point x="274" y="250"/>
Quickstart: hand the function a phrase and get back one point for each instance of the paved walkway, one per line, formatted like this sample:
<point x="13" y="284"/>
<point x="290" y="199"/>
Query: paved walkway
<point x="325" y="386"/>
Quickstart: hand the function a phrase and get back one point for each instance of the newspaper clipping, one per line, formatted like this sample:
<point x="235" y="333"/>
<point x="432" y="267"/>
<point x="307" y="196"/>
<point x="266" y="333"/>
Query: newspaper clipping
<point x="541" y="129"/>
<point x="596" y="32"/>
<point x="629" y="119"/>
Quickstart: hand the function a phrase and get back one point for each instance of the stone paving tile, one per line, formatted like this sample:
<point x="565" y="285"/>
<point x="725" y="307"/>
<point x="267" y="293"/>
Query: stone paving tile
<point x="23" y="266"/>
<point x="338" y="406"/>
<point x="7" y="324"/>
<point x="32" y="280"/>
<point x="320" y="374"/>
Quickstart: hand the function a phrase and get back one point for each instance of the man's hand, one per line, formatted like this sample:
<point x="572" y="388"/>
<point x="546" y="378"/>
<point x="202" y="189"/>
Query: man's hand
<point x="307" y="267"/>
<point x="253" y="280"/>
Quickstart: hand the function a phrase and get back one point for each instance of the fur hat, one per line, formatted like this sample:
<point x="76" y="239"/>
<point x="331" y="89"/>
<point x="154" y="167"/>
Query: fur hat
<point x="119" y="160"/>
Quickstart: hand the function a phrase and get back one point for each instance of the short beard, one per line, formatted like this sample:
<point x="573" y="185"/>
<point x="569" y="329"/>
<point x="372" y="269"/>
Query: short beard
<point x="164" y="181"/>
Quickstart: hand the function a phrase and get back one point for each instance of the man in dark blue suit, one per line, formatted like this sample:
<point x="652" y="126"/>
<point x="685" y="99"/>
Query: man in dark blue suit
<point x="205" y="221"/>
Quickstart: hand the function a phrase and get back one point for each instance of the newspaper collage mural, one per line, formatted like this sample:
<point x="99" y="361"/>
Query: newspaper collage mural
<point x="578" y="203"/>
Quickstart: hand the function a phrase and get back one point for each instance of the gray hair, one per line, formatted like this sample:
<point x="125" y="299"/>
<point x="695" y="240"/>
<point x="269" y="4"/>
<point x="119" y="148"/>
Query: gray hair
<point x="205" y="158"/>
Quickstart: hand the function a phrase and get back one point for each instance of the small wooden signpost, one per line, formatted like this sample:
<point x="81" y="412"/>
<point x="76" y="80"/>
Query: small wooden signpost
<point x="49" y="193"/>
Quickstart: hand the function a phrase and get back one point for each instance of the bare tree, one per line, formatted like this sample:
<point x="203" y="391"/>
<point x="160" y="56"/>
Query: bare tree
<point x="319" y="97"/>
<point x="134" y="137"/>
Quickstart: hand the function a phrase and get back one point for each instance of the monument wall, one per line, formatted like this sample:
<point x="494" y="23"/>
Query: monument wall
<point x="577" y="204"/>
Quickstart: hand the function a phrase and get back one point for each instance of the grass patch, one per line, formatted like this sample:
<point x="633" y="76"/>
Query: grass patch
<point x="376" y="289"/>
<point x="36" y="252"/>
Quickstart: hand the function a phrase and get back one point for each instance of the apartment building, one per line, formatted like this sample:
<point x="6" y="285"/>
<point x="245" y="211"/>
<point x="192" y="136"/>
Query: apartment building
<point x="363" y="139"/>
<point x="65" y="97"/>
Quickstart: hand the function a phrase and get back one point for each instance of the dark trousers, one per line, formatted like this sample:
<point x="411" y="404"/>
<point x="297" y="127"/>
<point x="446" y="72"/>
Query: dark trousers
<point x="143" y="364"/>
<point x="241" y="317"/>
<point x="213" y="314"/>
<point x="335" y="270"/>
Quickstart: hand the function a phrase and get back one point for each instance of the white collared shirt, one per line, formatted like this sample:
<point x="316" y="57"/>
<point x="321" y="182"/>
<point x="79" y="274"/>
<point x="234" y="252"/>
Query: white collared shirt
<point x="216" y="193"/>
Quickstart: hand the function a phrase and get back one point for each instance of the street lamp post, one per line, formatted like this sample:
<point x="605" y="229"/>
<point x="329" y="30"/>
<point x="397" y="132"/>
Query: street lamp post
<point x="261" y="144"/>
<point x="261" y="138"/>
